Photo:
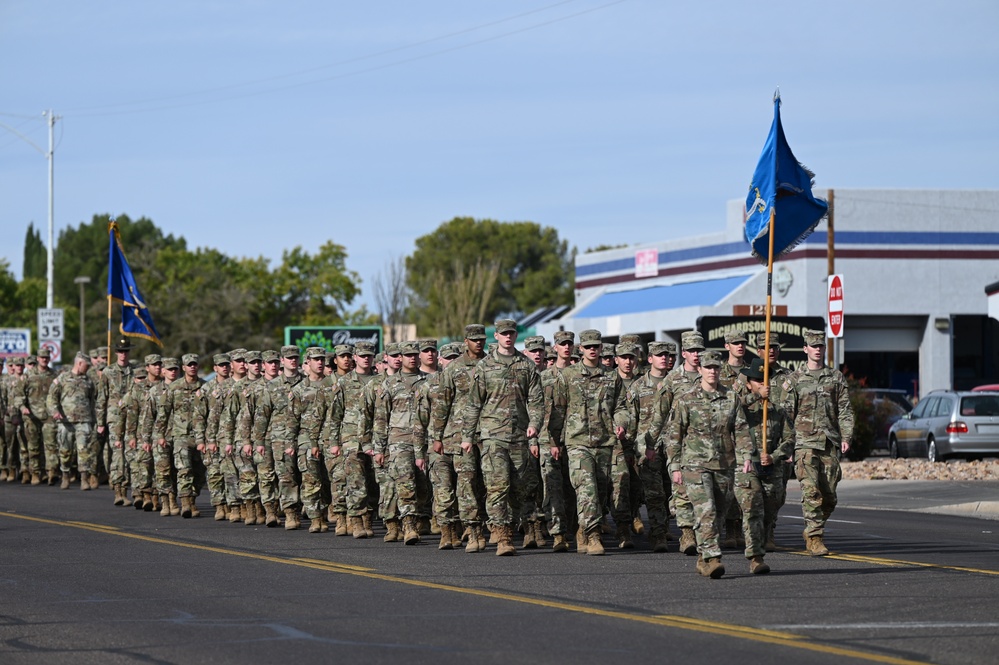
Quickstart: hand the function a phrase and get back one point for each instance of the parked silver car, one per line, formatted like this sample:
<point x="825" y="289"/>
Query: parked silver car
<point x="947" y="423"/>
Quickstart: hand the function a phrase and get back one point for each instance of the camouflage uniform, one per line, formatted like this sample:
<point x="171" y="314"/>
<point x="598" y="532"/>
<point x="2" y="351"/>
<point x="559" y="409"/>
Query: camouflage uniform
<point x="402" y="415"/>
<point x="230" y="450"/>
<point x="595" y="407"/>
<point x="141" y="455"/>
<point x="163" y="481"/>
<point x="176" y="422"/>
<point x="321" y="423"/>
<point x="39" y="428"/>
<point x="300" y="400"/>
<point x="73" y="397"/>
<point x="116" y="381"/>
<point x="645" y="397"/>
<point x="13" y="422"/>
<point x="206" y="420"/>
<point x="701" y="445"/>
<point x="623" y="460"/>
<point x="676" y="383"/>
<point x="355" y="440"/>
<point x="823" y="420"/>
<point x="258" y="476"/>
<point x="270" y="428"/>
<point x="504" y="401"/>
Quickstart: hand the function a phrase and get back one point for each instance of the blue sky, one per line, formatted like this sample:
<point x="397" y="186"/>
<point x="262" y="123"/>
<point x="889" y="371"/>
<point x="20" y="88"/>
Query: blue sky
<point x="258" y="126"/>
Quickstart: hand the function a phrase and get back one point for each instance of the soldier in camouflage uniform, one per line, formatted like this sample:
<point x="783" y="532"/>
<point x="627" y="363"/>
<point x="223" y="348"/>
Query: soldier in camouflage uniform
<point x="426" y="522"/>
<point x="596" y="415"/>
<point x="505" y="409"/>
<point x="141" y="450"/>
<point x="257" y="478"/>
<point x="534" y="348"/>
<point x="221" y="421"/>
<point x="679" y="380"/>
<point x="13" y="421"/>
<point x="237" y="446"/>
<point x="321" y="423"/>
<point x="72" y="403"/>
<point x="164" y="474"/>
<point x="39" y="428"/>
<point x="731" y="377"/>
<point x="454" y="471"/>
<point x="402" y="416"/>
<point x="559" y="500"/>
<point x="115" y="382"/>
<point x="308" y="456"/>
<point x="336" y="468"/>
<point x="759" y="486"/>
<point x="645" y="397"/>
<point x="607" y="356"/>
<point x="270" y="429"/>
<point x="823" y="425"/>
<point x="626" y="358"/>
<point x="701" y="449"/>
<point x="206" y="432"/>
<point x="174" y="430"/>
<point x="118" y="429"/>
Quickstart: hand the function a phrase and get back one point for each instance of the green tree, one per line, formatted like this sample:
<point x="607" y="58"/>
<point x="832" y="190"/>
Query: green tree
<point x="535" y="267"/>
<point x="35" y="254"/>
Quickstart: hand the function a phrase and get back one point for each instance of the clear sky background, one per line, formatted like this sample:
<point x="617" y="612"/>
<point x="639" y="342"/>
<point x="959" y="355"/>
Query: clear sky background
<point x="257" y="126"/>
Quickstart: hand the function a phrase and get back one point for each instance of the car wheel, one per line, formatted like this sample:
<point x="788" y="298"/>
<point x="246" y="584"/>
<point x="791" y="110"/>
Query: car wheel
<point x="893" y="449"/>
<point x="931" y="451"/>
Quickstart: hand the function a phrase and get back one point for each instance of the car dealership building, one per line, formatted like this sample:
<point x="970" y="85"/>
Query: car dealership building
<point x="915" y="266"/>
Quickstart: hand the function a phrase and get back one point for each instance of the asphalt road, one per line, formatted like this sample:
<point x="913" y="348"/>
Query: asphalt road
<point x="83" y="581"/>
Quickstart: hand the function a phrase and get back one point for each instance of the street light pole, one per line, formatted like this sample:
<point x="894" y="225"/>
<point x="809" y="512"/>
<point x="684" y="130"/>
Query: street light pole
<point x="82" y="280"/>
<point x="49" y="270"/>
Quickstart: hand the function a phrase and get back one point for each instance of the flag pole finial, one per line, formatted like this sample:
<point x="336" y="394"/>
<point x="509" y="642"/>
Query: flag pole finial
<point x="777" y="94"/>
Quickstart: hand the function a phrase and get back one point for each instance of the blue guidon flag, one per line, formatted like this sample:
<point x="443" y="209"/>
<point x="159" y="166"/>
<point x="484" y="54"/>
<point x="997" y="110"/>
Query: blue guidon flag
<point x="136" y="320"/>
<point x="783" y="186"/>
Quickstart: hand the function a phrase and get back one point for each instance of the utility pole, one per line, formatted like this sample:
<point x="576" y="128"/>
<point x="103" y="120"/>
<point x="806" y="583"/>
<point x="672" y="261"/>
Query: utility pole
<point x="50" y="270"/>
<point x="82" y="280"/>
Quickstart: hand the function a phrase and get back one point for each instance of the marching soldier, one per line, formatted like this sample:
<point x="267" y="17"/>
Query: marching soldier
<point x="71" y="402"/>
<point x="39" y="428"/>
<point x="115" y="382"/>
<point x="176" y="424"/>
<point x="308" y="456"/>
<point x="206" y="431"/>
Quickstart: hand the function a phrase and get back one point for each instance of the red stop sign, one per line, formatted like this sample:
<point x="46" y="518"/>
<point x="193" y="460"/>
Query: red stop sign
<point x="835" y="306"/>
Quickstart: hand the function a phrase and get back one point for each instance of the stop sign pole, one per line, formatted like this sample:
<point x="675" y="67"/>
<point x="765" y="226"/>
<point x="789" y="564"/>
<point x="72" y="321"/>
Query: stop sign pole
<point x="835" y="311"/>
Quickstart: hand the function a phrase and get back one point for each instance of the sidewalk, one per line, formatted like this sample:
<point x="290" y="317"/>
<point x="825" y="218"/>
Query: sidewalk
<point x="967" y="499"/>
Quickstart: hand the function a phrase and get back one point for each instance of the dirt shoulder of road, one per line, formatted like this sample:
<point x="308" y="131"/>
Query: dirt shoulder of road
<point x="918" y="469"/>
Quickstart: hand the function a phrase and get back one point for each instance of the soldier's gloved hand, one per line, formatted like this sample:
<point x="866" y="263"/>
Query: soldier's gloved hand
<point x="247" y="450"/>
<point x="438" y="447"/>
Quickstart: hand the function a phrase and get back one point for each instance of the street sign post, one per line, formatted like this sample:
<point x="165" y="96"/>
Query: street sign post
<point x="50" y="324"/>
<point x="835" y="328"/>
<point x="15" y="342"/>
<point x="55" y="349"/>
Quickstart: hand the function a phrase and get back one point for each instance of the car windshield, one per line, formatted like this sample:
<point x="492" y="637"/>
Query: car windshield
<point x="980" y="405"/>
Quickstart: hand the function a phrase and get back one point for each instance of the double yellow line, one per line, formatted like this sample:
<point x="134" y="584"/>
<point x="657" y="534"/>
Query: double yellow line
<point x="790" y="640"/>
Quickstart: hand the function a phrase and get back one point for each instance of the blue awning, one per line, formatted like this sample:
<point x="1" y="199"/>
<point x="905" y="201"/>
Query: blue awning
<point x="691" y="294"/>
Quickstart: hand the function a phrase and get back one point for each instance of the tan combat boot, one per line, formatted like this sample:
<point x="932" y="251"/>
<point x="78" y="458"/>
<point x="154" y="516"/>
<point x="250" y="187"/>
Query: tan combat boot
<point x="356" y="525"/>
<point x="291" y="519"/>
<point x="713" y="568"/>
<point x="505" y="545"/>
<point x="316" y="525"/>
<point x="244" y="512"/>
<point x="701" y="566"/>
<point x="50" y="477"/>
<point x="194" y="507"/>
<point x="530" y="537"/>
<point x="165" y="506"/>
<point x="324" y="526"/>
<point x="816" y="547"/>
<point x="594" y="545"/>
<point x="341" y="524"/>
<point x="3" y="475"/>
<point x="474" y="535"/>
<point x="624" y="541"/>
<point x="220" y="512"/>
<point x="582" y="540"/>
<point x="493" y="535"/>
<point x="435" y="527"/>
<point x="119" y="495"/>
<point x="757" y="566"/>
<point x="235" y="513"/>
<point x="688" y="542"/>
<point x="25" y="477"/>
<point x="392" y="532"/>
<point x="637" y="526"/>
<point x="366" y="520"/>
<point x="137" y="500"/>
<point x="154" y="498"/>
<point x="270" y="514"/>
<point x="729" y="541"/>
<point x="445" y="543"/>
<point x="94" y="481"/>
<point x="148" y="501"/>
<point x="539" y="533"/>
<point x="64" y="485"/>
<point x="172" y="501"/>
<point x="560" y="544"/>
<point x="770" y="545"/>
<point x="84" y="485"/>
<point x="251" y="512"/>
<point x="481" y="538"/>
<point x="185" y="507"/>
<point x="422" y="526"/>
<point x="410" y="534"/>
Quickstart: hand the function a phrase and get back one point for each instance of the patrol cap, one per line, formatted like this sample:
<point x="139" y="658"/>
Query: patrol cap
<point x="221" y="359"/>
<point x="475" y="331"/>
<point x="290" y="351"/>
<point x="141" y="373"/>
<point x="506" y="325"/>
<point x="606" y="350"/>
<point x="692" y="341"/>
<point x="535" y="343"/>
<point x="550" y="353"/>
<point x="427" y="344"/>
<point x="102" y="352"/>
<point x="270" y="356"/>
<point x="734" y="336"/>
<point x="813" y="337"/>
<point x="343" y="350"/>
<point x="576" y="352"/>
<point x="660" y="348"/>
<point x="189" y="358"/>
<point x="409" y="347"/>
<point x="563" y="336"/>
<point x="590" y="337"/>
<point x="93" y="354"/>
<point x="153" y="358"/>
<point x="171" y="363"/>
<point x="252" y="356"/>
<point x="315" y="352"/>
<point x="754" y="370"/>
<point x="379" y="358"/>
<point x="630" y="338"/>
<point x="392" y="349"/>
<point x="123" y="344"/>
<point x="80" y="355"/>
<point x="451" y="350"/>
<point x="237" y="354"/>
<point x="364" y="349"/>
<point x="711" y="359"/>
<point x="627" y="349"/>
<point x="761" y="340"/>
<point x="43" y="352"/>
<point x="331" y="356"/>
<point x="16" y="361"/>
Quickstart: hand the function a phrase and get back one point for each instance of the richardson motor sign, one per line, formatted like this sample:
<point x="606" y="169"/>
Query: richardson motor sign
<point x="789" y="328"/>
<point x="329" y="336"/>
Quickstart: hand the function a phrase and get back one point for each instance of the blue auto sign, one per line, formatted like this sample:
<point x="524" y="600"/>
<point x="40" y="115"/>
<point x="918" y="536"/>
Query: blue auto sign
<point x="15" y="342"/>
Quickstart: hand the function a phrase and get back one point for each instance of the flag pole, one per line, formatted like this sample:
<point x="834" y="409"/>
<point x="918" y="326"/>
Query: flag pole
<point x="109" y="324"/>
<point x="766" y="333"/>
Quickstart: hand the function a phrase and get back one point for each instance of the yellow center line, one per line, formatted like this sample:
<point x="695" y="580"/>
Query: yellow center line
<point x="665" y="620"/>
<point x="897" y="563"/>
